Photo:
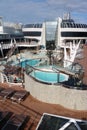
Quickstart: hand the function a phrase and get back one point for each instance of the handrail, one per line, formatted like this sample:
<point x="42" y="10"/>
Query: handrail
<point x="63" y="70"/>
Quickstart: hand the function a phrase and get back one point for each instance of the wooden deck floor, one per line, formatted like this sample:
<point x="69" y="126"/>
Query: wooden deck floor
<point x="34" y="109"/>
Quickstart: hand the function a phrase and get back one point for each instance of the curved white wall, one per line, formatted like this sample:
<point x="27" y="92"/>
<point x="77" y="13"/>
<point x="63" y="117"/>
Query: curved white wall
<point x="57" y="94"/>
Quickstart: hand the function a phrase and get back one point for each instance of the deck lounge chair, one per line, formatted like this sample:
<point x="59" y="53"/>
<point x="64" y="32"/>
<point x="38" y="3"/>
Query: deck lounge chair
<point x="1" y="88"/>
<point x="6" y="93"/>
<point x="19" y="96"/>
<point x="4" y="116"/>
<point x="15" y="122"/>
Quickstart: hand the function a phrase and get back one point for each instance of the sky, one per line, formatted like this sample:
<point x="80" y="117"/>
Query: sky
<point x="38" y="11"/>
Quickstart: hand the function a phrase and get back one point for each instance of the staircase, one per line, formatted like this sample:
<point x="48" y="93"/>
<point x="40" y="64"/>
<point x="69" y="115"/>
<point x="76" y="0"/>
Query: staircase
<point x="11" y="50"/>
<point x="12" y="46"/>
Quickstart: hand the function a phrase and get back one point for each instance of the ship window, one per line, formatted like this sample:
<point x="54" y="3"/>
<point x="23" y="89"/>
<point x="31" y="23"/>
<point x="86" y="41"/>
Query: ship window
<point x="83" y="25"/>
<point x="68" y="25"/>
<point x="71" y="127"/>
<point x="65" y="25"/>
<point x="83" y="125"/>
<point x="74" y="25"/>
<point x="33" y="25"/>
<point x="61" y="25"/>
<point x="34" y="33"/>
<point x="74" y="34"/>
<point x="49" y="122"/>
<point x="71" y="25"/>
<point x="78" y="25"/>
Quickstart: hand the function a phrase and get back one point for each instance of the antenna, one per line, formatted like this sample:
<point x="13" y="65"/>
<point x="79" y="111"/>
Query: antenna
<point x="66" y="16"/>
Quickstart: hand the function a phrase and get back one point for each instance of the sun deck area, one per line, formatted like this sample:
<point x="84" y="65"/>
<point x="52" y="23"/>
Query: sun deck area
<point x="34" y="109"/>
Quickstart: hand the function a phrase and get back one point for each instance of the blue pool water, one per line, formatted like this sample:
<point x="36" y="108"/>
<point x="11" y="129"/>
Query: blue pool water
<point x="44" y="76"/>
<point x="49" y="77"/>
<point x="31" y="62"/>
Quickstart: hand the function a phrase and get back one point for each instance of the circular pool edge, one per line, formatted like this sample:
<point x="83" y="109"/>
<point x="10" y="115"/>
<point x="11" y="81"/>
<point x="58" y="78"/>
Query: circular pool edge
<point x="56" y="94"/>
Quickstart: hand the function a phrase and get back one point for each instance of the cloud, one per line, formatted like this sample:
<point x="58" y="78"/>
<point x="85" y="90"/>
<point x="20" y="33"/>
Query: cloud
<point x="39" y="10"/>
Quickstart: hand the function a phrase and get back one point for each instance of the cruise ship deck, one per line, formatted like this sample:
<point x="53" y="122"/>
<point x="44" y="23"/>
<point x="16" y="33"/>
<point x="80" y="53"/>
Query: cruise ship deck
<point x="35" y="109"/>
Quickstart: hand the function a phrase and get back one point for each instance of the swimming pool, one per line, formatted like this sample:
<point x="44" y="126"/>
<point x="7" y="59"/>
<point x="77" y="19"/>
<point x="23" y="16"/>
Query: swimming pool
<point x="31" y="62"/>
<point x="44" y="73"/>
<point x="49" y="77"/>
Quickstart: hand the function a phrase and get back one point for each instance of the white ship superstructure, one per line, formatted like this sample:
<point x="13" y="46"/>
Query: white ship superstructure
<point x="10" y="34"/>
<point x="34" y="34"/>
<point x="68" y="35"/>
<point x="62" y="33"/>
